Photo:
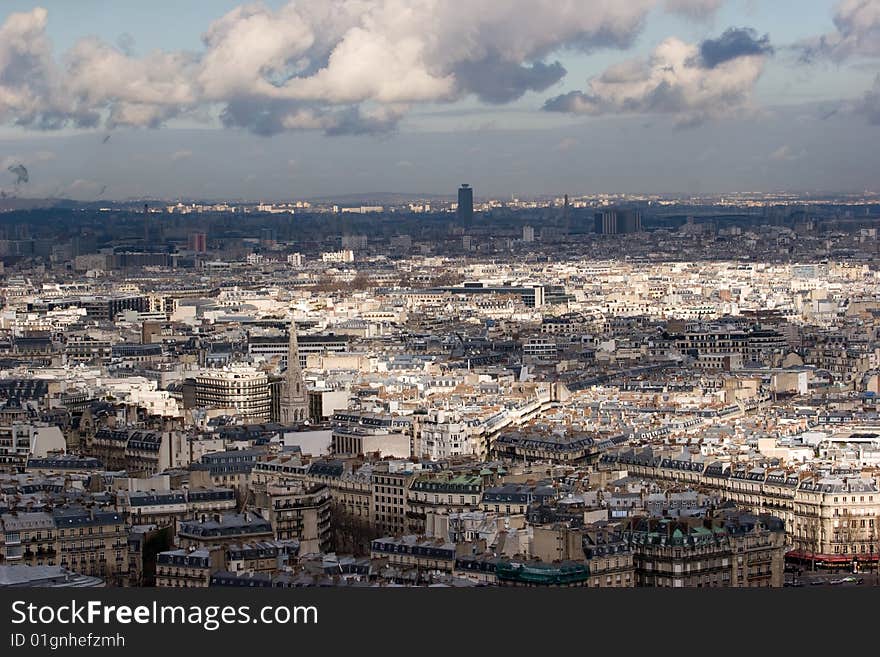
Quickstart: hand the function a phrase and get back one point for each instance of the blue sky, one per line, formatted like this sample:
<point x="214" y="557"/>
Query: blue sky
<point x="170" y="128"/>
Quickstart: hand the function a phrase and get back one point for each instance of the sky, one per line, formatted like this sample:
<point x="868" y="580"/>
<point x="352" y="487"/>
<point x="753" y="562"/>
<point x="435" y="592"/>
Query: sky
<point x="281" y="100"/>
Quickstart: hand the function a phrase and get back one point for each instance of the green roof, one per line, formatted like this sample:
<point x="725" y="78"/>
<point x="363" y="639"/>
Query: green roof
<point x="541" y="573"/>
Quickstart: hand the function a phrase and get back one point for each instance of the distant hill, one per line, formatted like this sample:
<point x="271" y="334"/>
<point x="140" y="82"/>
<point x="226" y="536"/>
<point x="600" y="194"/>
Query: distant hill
<point x="9" y="204"/>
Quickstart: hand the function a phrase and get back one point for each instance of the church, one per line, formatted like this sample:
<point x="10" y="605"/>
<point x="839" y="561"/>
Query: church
<point x="294" y="399"/>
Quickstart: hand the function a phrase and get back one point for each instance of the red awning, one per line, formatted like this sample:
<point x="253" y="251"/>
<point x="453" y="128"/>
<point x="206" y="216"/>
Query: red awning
<point x="801" y="555"/>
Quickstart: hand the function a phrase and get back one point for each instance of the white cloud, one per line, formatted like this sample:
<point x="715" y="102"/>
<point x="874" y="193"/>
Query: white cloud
<point x="691" y="82"/>
<point x="856" y="36"/>
<point x="176" y="156"/>
<point x="856" y="33"/>
<point x="29" y="79"/>
<point x="136" y="91"/>
<point x="342" y="66"/>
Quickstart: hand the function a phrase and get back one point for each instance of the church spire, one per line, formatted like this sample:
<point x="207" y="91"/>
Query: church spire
<point x="294" y="402"/>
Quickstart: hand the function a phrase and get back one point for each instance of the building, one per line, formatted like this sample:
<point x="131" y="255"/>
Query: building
<point x="562" y="574"/>
<point x="188" y="568"/>
<point x="615" y="222"/>
<point x="138" y="452"/>
<point x="294" y="399"/>
<point x="270" y="347"/>
<point x="390" y="499"/>
<point x="163" y="508"/>
<point x="297" y="510"/>
<point x="223" y="529"/>
<point x="441" y="435"/>
<point x="441" y="494"/>
<point x="21" y="440"/>
<point x="93" y="542"/>
<point x="831" y="521"/>
<point x="262" y="557"/>
<point x="198" y="242"/>
<point x="230" y="468"/>
<point x="21" y="576"/>
<point x="419" y="552"/>
<point x="343" y="256"/>
<point x="244" y="390"/>
<point x="608" y="556"/>
<point x="361" y="440"/>
<point x="465" y="208"/>
<point x="516" y="498"/>
<point x="532" y="296"/>
<point x="735" y="549"/>
<point x="28" y="538"/>
<point x="526" y="445"/>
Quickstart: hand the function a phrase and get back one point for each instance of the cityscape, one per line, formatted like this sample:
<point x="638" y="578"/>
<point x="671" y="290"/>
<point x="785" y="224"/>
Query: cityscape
<point x="470" y="384"/>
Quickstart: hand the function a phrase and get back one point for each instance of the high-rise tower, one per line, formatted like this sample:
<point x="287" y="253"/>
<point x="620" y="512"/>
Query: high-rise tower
<point x="294" y="399"/>
<point x="566" y="217"/>
<point x="465" y="209"/>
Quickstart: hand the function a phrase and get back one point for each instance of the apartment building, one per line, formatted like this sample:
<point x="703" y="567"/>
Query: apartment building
<point x="242" y="389"/>
<point x="188" y="568"/>
<point x="137" y="451"/>
<point x="831" y="521"/>
<point x="261" y="557"/>
<point x="163" y="508"/>
<point x="223" y="530"/>
<point x="442" y="493"/>
<point x="93" y="542"/>
<point x="390" y="499"/>
<point x="420" y="552"/>
<point x="28" y="538"/>
<point x="736" y="550"/>
<point x="297" y="510"/>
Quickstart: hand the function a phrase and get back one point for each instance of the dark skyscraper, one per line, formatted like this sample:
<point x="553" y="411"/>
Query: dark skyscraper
<point x="613" y="222"/>
<point x="465" y="204"/>
<point x="566" y="217"/>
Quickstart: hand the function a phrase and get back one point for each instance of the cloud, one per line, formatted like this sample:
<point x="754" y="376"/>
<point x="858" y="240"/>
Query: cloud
<point x="701" y="10"/>
<point x="340" y="66"/>
<point x="691" y="82"/>
<point x="856" y="33"/>
<point x="30" y="95"/>
<point x="856" y="36"/>
<point x="134" y="91"/>
<point x="735" y="42"/>
<point x="176" y="156"/>
<point x="270" y="118"/>
<point x="497" y="81"/>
